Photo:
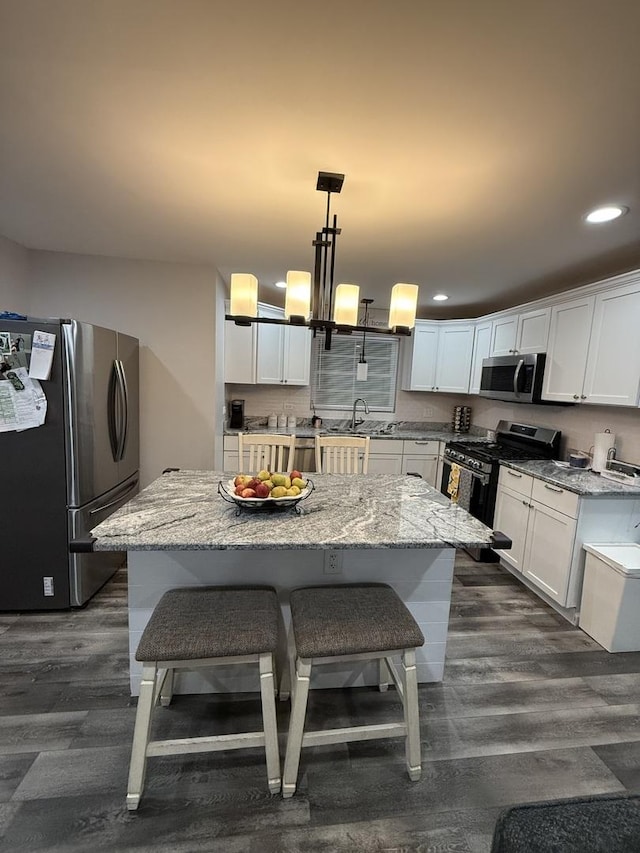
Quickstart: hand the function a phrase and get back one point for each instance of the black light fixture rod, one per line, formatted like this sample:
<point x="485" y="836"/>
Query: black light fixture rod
<point x="333" y="264"/>
<point x="326" y="309"/>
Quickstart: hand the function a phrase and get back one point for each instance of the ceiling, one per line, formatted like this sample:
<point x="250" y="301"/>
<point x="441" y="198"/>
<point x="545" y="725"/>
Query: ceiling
<point x="474" y="136"/>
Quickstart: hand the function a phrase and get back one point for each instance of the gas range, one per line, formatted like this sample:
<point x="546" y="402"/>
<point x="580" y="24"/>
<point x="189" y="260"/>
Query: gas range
<point x="513" y="441"/>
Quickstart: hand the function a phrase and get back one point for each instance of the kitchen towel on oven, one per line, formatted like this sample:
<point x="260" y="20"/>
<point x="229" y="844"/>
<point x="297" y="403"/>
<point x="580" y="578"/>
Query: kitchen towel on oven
<point x="464" y="488"/>
<point x="454" y="482"/>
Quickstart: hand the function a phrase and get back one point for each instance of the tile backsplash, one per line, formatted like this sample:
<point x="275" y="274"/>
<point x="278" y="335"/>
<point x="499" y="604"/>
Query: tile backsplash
<point x="578" y="423"/>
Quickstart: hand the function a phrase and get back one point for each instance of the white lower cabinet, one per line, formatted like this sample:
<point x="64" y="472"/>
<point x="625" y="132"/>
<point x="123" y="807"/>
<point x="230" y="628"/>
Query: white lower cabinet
<point x="385" y="456"/>
<point x="540" y="519"/>
<point x="549" y="525"/>
<point x="396" y="456"/>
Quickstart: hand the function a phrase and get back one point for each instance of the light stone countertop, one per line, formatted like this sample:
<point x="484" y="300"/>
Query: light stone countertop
<point x="575" y="479"/>
<point x="183" y="511"/>
<point x="407" y="430"/>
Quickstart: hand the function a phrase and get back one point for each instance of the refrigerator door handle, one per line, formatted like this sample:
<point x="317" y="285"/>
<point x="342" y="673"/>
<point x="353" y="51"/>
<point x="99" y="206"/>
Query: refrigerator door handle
<point x="133" y="485"/>
<point x="124" y="409"/>
<point x="114" y="439"/>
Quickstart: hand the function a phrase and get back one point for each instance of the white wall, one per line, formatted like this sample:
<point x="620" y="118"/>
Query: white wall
<point x="14" y="277"/>
<point x="171" y="309"/>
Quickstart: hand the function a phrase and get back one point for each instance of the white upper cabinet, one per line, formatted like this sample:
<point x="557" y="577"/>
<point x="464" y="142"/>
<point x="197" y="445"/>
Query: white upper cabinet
<point x="438" y="357"/>
<point x="612" y="375"/>
<point x="283" y="352"/>
<point x="503" y="335"/>
<point x="481" y="348"/>
<point x="568" y="348"/>
<point x="239" y="353"/>
<point x="422" y="350"/>
<point x="267" y="354"/>
<point x="521" y="333"/>
<point x="594" y="349"/>
<point x="533" y="331"/>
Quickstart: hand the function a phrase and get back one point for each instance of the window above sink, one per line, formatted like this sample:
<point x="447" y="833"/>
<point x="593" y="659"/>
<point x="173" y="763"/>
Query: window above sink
<point x="333" y="374"/>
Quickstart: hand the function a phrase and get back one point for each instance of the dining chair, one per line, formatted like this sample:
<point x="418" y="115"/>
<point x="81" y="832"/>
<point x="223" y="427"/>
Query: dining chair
<point x="342" y="454"/>
<point x="265" y="452"/>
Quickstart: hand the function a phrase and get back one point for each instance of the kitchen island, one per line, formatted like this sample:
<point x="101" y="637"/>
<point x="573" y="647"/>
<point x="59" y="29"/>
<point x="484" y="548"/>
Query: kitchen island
<point x="393" y="529"/>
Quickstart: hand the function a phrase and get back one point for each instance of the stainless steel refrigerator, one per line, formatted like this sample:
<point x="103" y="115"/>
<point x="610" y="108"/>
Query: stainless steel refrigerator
<point x="61" y="479"/>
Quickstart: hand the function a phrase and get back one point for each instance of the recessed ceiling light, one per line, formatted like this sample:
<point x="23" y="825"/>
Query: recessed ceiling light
<point x="282" y="284"/>
<point x="440" y="297"/>
<point x="606" y="213"/>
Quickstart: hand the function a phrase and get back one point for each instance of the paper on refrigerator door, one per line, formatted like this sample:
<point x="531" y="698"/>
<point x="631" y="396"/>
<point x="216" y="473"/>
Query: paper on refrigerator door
<point x="21" y="408"/>
<point x="42" y="348"/>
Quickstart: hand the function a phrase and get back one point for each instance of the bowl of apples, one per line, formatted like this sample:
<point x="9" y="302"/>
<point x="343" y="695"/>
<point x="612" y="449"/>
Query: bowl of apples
<point x="267" y="490"/>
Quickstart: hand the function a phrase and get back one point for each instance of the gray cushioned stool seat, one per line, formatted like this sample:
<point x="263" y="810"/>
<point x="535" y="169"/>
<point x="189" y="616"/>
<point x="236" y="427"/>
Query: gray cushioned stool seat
<point x="351" y="619"/>
<point x="210" y="622"/>
<point x="599" y="824"/>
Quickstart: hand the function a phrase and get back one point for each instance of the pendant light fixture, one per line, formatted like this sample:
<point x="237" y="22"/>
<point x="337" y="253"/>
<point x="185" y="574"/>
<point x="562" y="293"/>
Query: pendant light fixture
<point x="362" y="368"/>
<point x="323" y="308"/>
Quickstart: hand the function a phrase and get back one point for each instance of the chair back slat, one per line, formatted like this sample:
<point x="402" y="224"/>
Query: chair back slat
<point x="265" y="452"/>
<point x="342" y="454"/>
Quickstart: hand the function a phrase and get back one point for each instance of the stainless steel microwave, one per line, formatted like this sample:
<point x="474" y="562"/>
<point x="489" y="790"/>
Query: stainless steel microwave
<point x="514" y="378"/>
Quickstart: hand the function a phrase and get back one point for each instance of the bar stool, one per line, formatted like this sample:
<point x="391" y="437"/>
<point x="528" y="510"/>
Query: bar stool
<point x="196" y="627"/>
<point x="352" y="622"/>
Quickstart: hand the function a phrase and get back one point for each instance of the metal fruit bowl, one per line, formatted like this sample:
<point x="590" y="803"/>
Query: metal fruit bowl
<point x="226" y="490"/>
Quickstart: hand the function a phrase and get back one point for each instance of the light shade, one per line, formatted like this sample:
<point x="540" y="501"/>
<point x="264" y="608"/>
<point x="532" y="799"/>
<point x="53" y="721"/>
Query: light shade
<point x="345" y="309"/>
<point x="244" y="295"/>
<point x="404" y="302"/>
<point x="298" y="299"/>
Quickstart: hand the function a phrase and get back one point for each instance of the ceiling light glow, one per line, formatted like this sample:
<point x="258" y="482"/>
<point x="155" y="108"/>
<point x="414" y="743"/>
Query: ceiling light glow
<point x="606" y="213"/>
<point x="440" y="297"/>
<point x="282" y="284"/>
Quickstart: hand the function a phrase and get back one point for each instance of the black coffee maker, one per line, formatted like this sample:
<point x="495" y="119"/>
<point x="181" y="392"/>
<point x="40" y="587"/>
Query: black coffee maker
<point x="236" y="418"/>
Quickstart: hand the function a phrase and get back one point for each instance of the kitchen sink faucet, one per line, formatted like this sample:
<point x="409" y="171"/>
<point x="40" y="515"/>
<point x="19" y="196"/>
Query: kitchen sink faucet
<point x="354" y="422"/>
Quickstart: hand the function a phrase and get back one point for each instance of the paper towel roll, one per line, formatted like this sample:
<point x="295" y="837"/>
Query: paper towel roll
<point x="602" y="442"/>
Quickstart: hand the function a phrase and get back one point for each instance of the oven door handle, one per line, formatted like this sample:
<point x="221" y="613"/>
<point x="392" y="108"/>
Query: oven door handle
<point x="478" y="475"/>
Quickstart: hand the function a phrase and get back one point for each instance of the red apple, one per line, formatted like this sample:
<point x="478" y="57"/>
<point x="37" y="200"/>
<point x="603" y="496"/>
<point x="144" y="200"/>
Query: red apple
<point x="239" y="489"/>
<point x="262" y="491"/>
<point x="248" y="493"/>
<point x="239" y="480"/>
<point x="295" y="474"/>
<point x="253" y="482"/>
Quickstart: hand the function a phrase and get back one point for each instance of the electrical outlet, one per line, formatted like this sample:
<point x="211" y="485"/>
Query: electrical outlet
<point x="333" y="562"/>
<point x="428" y="412"/>
<point x="287" y="407"/>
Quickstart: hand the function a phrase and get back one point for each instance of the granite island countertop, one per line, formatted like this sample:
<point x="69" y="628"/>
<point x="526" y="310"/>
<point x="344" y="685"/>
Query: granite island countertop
<point x="182" y="510"/>
<point x="577" y="480"/>
<point x="407" y="430"/>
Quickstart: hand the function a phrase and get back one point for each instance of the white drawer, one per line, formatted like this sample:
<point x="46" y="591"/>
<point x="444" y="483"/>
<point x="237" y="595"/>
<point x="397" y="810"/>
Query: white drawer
<point x="556" y="498"/>
<point x="386" y="446"/>
<point x="230" y="442"/>
<point x="515" y="480"/>
<point x="421" y="448"/>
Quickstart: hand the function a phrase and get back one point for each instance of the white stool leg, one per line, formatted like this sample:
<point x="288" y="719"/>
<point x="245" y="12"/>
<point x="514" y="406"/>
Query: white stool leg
<point x="289" y="672"/>
<point x="411" y="714"/>
<point x="166" y="694"/>
<point x="269" y="723"/>
<point x="141" y="736"/>
<point x="383" y="675"/>
<point x="296" y="727"/>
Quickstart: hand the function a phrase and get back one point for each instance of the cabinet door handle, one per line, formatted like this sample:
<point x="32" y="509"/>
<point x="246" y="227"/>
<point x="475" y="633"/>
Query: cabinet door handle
<point x="526" y="503"/>
<point x="514" y="474"/>
<point x="576" y="396"/>
<point x="553" y="488"/>
<point x="583" y="396"/>
<point x="422" y="442"/>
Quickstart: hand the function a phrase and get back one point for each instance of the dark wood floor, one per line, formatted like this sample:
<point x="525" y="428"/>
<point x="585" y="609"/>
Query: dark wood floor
<point x="530" y="709"/>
